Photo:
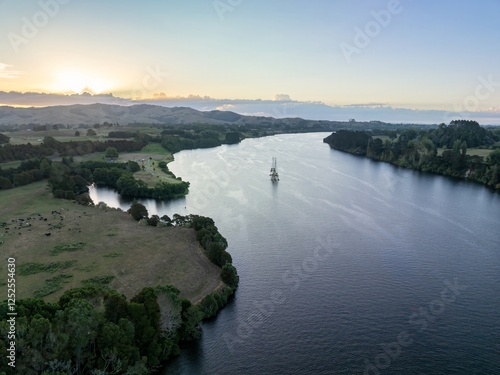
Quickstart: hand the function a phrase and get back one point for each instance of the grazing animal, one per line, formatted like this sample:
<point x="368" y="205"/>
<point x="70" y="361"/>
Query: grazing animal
<point x="47" y="234"/>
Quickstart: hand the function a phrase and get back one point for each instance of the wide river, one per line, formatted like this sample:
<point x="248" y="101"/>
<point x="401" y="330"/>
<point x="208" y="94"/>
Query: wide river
<point x="347" y="265"/>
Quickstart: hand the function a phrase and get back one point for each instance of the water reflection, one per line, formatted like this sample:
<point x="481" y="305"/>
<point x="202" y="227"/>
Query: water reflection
<point x="154" y="207"/>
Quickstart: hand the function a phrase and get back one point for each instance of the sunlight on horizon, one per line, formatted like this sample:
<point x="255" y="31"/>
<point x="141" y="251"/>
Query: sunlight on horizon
<point x="77" y="82"/>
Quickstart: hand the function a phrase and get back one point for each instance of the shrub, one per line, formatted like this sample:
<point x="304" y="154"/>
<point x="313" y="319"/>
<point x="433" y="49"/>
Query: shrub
<point x="138" y="211"/>
<point x="229" y="275"/>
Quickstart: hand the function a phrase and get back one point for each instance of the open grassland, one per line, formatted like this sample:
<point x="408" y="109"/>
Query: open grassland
<point x="478" y="151"/>
<point x="10" y="164"/>
<point x="383" y="138"/>
<point x="155" y="131"/>
<point x="156" y="149"/>
<point x="148" y="158"/>
<point x="66" y="135"/>
<point x="151" y="176"/>
<point x="472" y="152"/>
<point x="59" y="245"/>
<point x="61" y="135"/>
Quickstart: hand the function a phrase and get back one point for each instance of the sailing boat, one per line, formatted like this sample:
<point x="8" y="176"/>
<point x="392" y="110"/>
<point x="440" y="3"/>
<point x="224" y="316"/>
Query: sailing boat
<point x="274" y="172"/>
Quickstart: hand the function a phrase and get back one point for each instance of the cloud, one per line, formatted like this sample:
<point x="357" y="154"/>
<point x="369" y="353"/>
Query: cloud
<point x="34" y="99"/>
<point x="370" y="104"/>
<point x="282" y="98"/>
<point x="7" y="73"/>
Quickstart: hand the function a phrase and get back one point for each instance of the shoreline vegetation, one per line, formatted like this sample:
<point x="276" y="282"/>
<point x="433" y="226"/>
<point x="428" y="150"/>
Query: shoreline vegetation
<point x="444" y="151"/>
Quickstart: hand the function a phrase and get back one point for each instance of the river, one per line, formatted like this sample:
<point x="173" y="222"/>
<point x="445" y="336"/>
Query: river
<point x="347" y="265"/>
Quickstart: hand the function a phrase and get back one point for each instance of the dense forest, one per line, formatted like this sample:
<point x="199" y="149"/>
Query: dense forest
<point x="96" y="330"/>
<point x="176" y="140"/>
<point x="419" y="149"/>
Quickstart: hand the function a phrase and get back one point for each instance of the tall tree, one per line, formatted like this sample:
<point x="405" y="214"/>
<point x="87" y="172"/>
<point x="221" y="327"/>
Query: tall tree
<point x="463" y="147"/>
<point x="111" y="153"/>
<point x="138" y="211"/>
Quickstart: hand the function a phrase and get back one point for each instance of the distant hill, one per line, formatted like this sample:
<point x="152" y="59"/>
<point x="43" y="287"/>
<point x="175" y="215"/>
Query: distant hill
<point x="78" y="114"/>
<point x="124" y="115"/>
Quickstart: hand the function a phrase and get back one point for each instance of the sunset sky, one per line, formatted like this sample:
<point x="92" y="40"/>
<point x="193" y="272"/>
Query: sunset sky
<point x="423" y="55"/>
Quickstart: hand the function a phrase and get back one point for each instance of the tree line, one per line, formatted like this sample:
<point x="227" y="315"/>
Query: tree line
<point x="175" y="140"/>
<point x="28" y="171"/>
<point x="70" y="180"/>
<point x="51" y="147"/>
<point x="96" y="330"/>
<point x="119" y="176"/>
<point x="419" y="150"/>
<point x="207" y="234"/>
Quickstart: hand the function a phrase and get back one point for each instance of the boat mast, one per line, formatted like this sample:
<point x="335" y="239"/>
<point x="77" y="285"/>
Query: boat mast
<point x="274" y="171"/>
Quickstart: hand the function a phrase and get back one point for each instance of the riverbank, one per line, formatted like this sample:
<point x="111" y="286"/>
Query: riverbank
<point x="420" y="152"/>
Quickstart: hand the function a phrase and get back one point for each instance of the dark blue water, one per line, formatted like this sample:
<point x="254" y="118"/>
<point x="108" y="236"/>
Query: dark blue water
<point x="347" y="266"/>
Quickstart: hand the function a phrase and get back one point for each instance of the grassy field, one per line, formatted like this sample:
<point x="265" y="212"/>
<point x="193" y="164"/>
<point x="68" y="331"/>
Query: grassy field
<point x="151" y="177"/>
<point x="156" y="149"/>
<point x="383" y="138"/>
<point x="10" y="164"/>
<point x="472" y="151"/>
<point x="66" y="135"/>
<point x="88" y="245"/>
<point x="478" y="152"/>
<point x="62" y="135"/>
<point x="149" y="156"/>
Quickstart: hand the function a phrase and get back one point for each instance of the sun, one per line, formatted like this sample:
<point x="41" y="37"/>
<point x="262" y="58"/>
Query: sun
<point x="76" y="82"/>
